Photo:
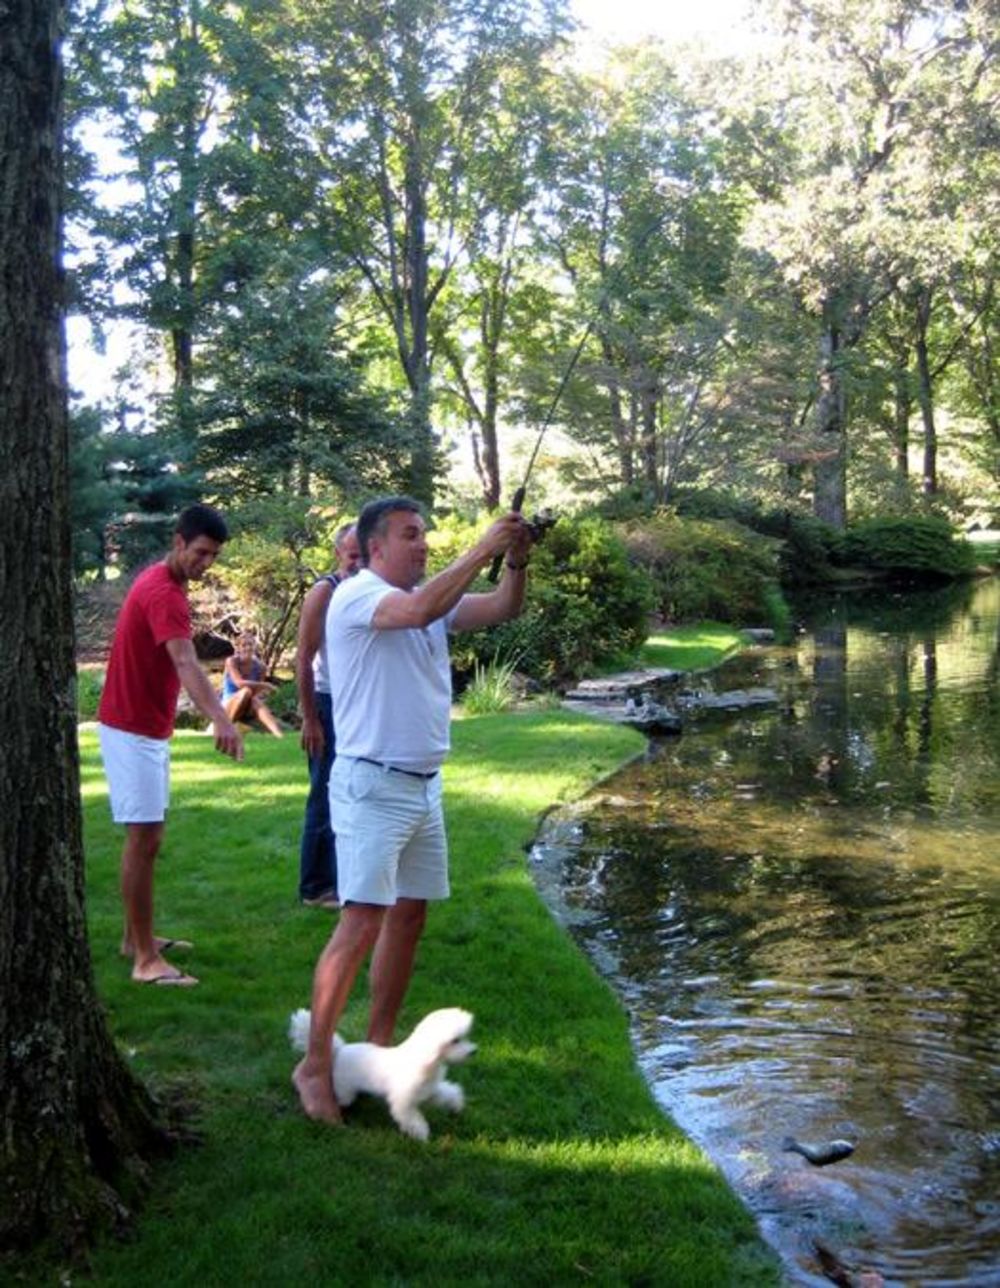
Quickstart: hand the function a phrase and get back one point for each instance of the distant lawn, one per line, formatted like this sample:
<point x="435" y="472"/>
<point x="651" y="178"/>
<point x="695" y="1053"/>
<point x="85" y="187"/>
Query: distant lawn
<point x="561" y="1171"/>
<point x="691" y="648"/>
<point x="986" y="545"/>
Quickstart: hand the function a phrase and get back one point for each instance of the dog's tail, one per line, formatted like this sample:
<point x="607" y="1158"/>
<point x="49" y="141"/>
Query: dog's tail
<point x="298" y="1029"/>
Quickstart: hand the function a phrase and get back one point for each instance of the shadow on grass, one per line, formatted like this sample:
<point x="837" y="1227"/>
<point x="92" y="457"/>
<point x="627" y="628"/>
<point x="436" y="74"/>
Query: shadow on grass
<point x="561" y="1167"/>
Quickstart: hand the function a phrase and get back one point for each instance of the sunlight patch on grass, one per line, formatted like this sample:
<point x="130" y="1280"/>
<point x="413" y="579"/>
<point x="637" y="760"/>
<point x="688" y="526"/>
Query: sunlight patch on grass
<point x="561" y="1166"/>
<point x="690" y="648"/>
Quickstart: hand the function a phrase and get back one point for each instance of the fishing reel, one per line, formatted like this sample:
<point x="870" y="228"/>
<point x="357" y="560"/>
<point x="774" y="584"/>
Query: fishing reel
<point x="540" y="523"/>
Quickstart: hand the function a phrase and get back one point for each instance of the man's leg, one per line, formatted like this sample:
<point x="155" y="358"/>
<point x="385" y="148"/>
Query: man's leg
<point x="337" y="968"/>
<point x="142" y="845"/>
<point x="392" y="966"/>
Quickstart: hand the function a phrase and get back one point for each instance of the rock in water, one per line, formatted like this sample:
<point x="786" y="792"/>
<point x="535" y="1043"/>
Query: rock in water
<point x="830" y="1151"/>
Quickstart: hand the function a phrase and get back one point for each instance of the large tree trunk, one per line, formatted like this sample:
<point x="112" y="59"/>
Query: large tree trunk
<point x="416" y="361"/>
<point x="649" y="393"/>
<point x="74" y="1126"/>
<point x="925" y="392"/>
<point x="901" y="432"/>
<point x="830" y="472"/>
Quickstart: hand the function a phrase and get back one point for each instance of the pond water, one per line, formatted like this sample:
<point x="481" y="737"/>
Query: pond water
<point x="799" y="906"/>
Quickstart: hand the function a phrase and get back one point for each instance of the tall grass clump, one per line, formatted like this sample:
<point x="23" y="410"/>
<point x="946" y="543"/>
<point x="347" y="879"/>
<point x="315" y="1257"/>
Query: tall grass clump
<point x="491" y="688"/>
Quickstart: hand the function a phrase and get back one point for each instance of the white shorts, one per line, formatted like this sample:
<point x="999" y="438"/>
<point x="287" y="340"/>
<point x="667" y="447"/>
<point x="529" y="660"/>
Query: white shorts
<point x="138" y="772"/>
<point x="389" y="830"/>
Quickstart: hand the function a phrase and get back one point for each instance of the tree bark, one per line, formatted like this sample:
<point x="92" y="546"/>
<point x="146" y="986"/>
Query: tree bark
<point x="830" y="473"/>
<point x="901" y="432"/>
<point x="75" y="1129"/>
<point x="925" y="392"/>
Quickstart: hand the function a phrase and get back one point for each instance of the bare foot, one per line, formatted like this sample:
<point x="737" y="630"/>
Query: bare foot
<point x="316" y="1095"/>
<point x="162" y="945"/>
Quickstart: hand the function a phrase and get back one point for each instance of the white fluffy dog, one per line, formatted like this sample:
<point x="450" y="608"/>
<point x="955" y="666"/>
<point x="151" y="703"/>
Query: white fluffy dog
<point x="406" y="1075"/>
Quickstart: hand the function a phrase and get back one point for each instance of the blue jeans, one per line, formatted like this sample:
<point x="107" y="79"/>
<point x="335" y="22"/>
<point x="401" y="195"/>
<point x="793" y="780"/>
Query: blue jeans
<point x="318" y="852"/>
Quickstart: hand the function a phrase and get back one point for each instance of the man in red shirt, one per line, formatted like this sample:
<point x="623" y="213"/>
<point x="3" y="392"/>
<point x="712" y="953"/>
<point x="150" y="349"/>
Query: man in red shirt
<point x="152" y="655"/>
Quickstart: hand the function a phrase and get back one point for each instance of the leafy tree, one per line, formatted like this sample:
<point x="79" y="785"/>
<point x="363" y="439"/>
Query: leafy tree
<point x="645" y="230"/>
<point x="866" y="95"/>
<point x="76" y="1130"/>
<point x="289" y="408"/>
<point x="490" y="299"/>
<point x="410" y="103"/>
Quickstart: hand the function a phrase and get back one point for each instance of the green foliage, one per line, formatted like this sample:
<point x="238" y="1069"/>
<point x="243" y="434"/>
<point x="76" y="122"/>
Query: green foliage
<point x="809" y="546"/>
<point x="713" y="503"/>
<point x="89" y="683"/>
<point x="586" y="603"/>
<point x="915" y="545"/>
<point x="491" y="688"/>
<point x="706" y="569"/>
<point x="284" y="702"/>
<point x="126" y="492"/>
<point x="267" y="567"/>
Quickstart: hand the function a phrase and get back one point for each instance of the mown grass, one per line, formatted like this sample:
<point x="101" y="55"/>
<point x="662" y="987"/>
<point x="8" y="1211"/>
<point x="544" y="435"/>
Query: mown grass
<point x="691" y="648"/>
<point x="561" y="1170"/>
<point x="986" y="544"/>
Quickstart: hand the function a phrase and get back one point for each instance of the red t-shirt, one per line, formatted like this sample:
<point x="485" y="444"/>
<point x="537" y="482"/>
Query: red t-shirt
<point x="142" y="685"/>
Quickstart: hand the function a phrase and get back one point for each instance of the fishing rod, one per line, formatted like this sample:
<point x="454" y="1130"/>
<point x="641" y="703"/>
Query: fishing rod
<point x="518" y="499"/>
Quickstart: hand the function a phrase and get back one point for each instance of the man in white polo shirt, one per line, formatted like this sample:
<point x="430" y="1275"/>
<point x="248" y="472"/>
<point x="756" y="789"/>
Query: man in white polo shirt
<point x="387" y="642"/>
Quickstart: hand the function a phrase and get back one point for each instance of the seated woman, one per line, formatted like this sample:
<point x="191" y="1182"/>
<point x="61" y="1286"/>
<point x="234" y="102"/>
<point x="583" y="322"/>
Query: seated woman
<point x="244" y="686"/>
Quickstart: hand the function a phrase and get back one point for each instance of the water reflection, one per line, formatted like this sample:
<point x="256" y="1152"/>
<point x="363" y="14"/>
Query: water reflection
<point x="800" y="907"/>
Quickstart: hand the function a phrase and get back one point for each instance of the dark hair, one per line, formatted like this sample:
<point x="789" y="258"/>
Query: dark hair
<point x="374" y="518"/>
<point x="201" y="521"/>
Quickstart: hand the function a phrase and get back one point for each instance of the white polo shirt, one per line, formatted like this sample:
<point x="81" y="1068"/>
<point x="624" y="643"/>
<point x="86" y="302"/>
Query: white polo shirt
<point x="391" y="689"/>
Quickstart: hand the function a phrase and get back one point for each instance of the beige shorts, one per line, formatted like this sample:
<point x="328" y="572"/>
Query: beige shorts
<point x="390" y="834"/>
<point x="138" y="772"/>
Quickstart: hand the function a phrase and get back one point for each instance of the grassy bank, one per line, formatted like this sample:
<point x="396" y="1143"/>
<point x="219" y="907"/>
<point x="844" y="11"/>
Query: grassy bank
<point x="561" y="1169"/>
<point x="691" y="648"/>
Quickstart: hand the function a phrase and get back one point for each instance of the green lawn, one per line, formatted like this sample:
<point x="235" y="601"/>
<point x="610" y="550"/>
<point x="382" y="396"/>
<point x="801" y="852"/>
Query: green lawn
<point x="691" y="648"/>
<point x="987" y="547"/>
<point x="561" y="1170"/>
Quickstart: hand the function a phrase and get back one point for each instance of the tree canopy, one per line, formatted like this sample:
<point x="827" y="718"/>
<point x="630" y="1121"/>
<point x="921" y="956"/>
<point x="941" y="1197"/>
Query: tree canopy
<point x="356" y="235"/>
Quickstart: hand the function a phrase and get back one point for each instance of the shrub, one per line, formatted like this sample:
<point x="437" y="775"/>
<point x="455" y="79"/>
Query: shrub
<point x="707" y="569"/>
<point x="284" y="702"/>
<point x="89" y="684"/>
<point x="586" y="606"/>
<point x="912" y="545"/>
<point x="809" y="546"/>
<point x="266" y="570"/>
<point x="709" y="503"/>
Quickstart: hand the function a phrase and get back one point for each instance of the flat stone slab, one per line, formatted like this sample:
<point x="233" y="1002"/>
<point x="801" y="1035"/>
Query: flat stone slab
<point x="683" y="706"/>
<point x="731" y="700"/>
<point x="614" y="688"/>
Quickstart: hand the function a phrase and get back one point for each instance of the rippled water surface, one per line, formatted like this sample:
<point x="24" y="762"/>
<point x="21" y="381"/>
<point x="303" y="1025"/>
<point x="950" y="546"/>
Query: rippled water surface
<point x="800" y="908"/>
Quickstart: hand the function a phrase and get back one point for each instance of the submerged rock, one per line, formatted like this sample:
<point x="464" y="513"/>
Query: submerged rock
<point x="830" y="1151"/>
